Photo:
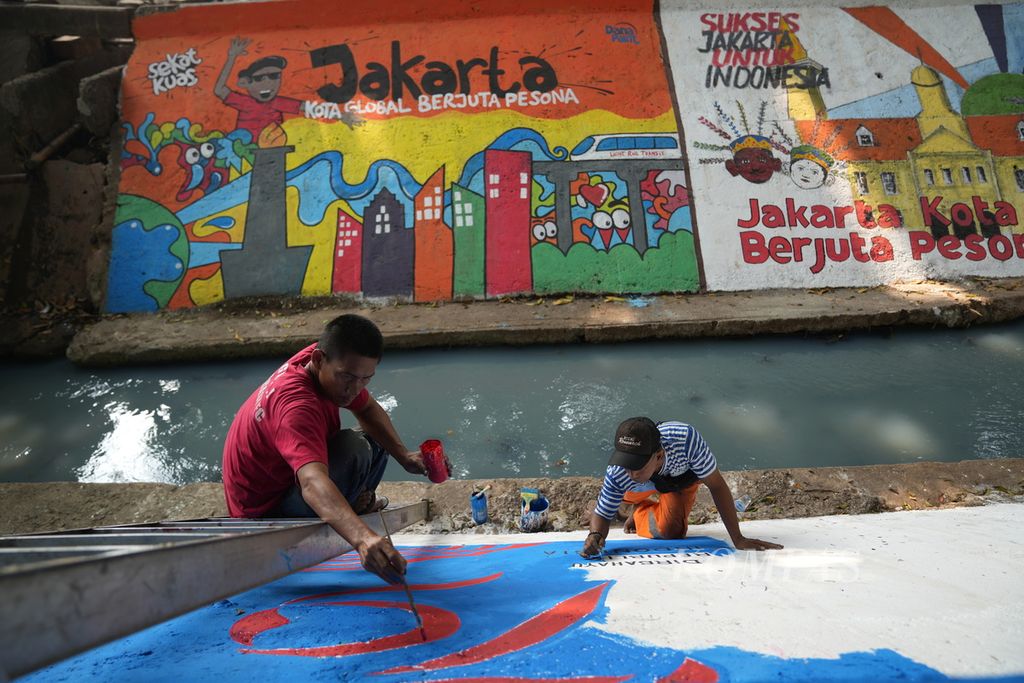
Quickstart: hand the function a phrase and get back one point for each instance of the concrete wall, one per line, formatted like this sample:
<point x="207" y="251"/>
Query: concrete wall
<point x="607" y="148"/>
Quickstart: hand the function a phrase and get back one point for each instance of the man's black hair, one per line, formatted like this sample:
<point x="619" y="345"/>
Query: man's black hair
<point x="351" y="333"/>
<point x="263" y="63"/>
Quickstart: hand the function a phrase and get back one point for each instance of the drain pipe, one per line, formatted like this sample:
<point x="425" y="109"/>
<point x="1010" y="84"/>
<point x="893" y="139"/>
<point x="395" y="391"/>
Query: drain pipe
<point x="37" y="159"/>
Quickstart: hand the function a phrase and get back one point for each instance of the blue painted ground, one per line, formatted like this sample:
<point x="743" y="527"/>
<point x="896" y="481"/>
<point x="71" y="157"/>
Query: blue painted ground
<point x="484" y="593"/>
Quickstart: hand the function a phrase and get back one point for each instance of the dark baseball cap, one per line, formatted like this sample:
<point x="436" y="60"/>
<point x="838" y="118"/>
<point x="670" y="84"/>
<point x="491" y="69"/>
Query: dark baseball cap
<point x="636" y="440"/>
<point x="273" y="61"/>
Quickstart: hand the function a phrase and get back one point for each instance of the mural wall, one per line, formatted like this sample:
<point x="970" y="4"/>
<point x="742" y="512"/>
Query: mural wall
<point x="462" y="152"/>
<point x="848" y="146"/>
<point x="391" y="151"/>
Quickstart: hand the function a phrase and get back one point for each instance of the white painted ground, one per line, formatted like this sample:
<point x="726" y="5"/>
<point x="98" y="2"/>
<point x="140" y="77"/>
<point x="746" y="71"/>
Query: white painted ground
<point x="942" y="587"/>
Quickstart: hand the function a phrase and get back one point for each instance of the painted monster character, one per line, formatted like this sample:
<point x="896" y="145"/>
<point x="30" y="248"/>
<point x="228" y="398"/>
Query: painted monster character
<point x="752" y="159"/>
<point x="610" y="215"/>
<point x="612" y="219"/>
<point x="544" y="229"/>
<point x="201" y="173"/>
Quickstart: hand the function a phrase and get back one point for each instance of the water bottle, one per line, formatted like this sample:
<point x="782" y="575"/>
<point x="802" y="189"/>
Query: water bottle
<point x="742" y="503"/>
<point x="478" y="504"/>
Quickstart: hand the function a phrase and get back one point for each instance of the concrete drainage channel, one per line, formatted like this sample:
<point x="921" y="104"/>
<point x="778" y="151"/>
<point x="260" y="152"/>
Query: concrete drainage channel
<point x="797" y="492"/>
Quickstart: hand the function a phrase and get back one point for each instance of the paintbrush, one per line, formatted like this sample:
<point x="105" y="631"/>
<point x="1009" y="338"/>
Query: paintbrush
<point x="405" y="584"/>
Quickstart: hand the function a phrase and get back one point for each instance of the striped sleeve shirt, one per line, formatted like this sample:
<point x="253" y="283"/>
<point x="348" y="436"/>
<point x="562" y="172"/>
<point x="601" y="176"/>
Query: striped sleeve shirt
<point x="685" y="449"/>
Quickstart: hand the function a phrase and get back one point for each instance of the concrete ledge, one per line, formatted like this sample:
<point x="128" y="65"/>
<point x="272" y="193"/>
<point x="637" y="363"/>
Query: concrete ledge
<point x="245" y="330"/>
<point x="801" y="492"/>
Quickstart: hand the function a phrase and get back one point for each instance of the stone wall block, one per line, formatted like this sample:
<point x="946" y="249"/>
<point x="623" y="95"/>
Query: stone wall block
<point x="19" y="55"/>
<point x="42" y="105"/>
<point x="63" y="232"/>
<point x="98" y="100"/>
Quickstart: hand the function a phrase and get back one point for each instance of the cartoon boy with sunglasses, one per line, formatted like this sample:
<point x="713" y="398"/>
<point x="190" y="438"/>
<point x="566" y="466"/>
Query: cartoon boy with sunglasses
<point x="262" y="105"/>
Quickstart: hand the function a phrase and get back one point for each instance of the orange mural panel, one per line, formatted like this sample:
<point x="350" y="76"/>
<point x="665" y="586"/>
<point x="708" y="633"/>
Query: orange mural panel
<point x="301" y="148"/>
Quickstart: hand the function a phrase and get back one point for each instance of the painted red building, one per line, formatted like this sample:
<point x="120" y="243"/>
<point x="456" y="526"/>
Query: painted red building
<point x="507" y="181"/>
<point x="433" y="260"/>
<point x="348" y="254"/>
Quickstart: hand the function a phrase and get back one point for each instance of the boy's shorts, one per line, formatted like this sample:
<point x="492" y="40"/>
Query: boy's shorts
<point x="662" y="515"/>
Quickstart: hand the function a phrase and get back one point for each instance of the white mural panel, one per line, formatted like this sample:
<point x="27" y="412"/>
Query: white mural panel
<point x="856" y="146"/>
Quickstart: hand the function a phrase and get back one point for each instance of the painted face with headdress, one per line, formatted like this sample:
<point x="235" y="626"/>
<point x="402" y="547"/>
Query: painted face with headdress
<point x="752" y="159"/>
<point x="809" y="166"/>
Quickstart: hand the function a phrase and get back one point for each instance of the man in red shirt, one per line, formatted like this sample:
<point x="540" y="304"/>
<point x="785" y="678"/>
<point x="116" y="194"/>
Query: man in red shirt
<point x="286" y="455"/>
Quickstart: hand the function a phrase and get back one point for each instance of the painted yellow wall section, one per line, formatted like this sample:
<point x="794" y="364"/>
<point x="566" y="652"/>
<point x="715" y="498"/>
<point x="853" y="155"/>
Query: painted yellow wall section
<point x="447" y="139"/>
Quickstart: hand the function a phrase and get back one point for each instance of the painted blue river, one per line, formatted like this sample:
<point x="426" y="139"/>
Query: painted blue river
<point x="551" y="411"/>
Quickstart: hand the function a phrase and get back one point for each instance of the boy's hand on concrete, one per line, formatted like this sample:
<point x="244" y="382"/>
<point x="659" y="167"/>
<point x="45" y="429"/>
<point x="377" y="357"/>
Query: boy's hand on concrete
<point x="755" y="544"/>
<point x="378" y="556"/>
<point x="593" y="546"/>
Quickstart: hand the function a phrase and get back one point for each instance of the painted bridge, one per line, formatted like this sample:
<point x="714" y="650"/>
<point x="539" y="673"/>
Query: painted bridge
<point x="632" y="171"/>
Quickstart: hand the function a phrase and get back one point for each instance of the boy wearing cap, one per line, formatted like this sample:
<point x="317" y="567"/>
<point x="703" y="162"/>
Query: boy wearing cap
<point x="657" y="468"/>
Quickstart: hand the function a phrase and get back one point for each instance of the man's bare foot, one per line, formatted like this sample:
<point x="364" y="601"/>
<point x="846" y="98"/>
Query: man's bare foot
<point x="367" y="502"/>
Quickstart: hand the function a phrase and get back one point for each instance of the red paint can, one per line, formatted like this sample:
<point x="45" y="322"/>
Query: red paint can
<point x="438" y="466"/>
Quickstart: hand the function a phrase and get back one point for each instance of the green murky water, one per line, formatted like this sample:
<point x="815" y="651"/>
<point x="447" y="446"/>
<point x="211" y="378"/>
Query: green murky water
<point x="551" y="411"/>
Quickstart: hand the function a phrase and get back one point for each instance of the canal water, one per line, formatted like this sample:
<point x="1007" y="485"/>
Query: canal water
<point x="551" y="411"/>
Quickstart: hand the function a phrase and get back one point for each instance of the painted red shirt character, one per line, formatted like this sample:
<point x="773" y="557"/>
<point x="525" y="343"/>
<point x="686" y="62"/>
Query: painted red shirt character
<point x="254" y="115"/>
<point x="260" y="105"/>
<point x="282" y="426"/>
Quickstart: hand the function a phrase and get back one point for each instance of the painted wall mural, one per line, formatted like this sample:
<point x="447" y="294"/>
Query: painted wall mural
<point x="833" y="146"/>
<point x="311" y="152"/>
<point x="505" y="611"/>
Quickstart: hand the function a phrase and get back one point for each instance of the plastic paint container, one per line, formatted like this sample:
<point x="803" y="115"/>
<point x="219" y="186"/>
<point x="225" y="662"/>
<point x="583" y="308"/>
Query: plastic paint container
<point x="478" y="504"/>
<point x="533" y="510"/>
<point x="438" y="467"/>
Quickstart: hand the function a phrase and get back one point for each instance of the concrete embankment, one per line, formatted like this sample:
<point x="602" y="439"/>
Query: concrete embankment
<point x="797" y="492"/>
<point x="236" y="331"/>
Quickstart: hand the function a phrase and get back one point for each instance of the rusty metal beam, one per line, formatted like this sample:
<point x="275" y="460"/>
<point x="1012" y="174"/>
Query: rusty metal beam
<point x="64" y="592"/>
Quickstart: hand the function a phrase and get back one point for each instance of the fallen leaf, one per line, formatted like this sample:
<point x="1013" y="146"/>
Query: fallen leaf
<point x="611" y="299"/>
<point x="537" y="302"/>
<point x="563" y="300"/>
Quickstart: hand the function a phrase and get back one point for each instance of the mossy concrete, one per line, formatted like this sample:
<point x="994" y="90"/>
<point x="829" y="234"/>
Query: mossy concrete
<point x="782" y="493"/>
<point x="246" y="329"/>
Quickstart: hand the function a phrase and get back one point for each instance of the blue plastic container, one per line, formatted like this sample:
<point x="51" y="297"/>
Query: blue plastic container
<point x="478" y="503"/>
